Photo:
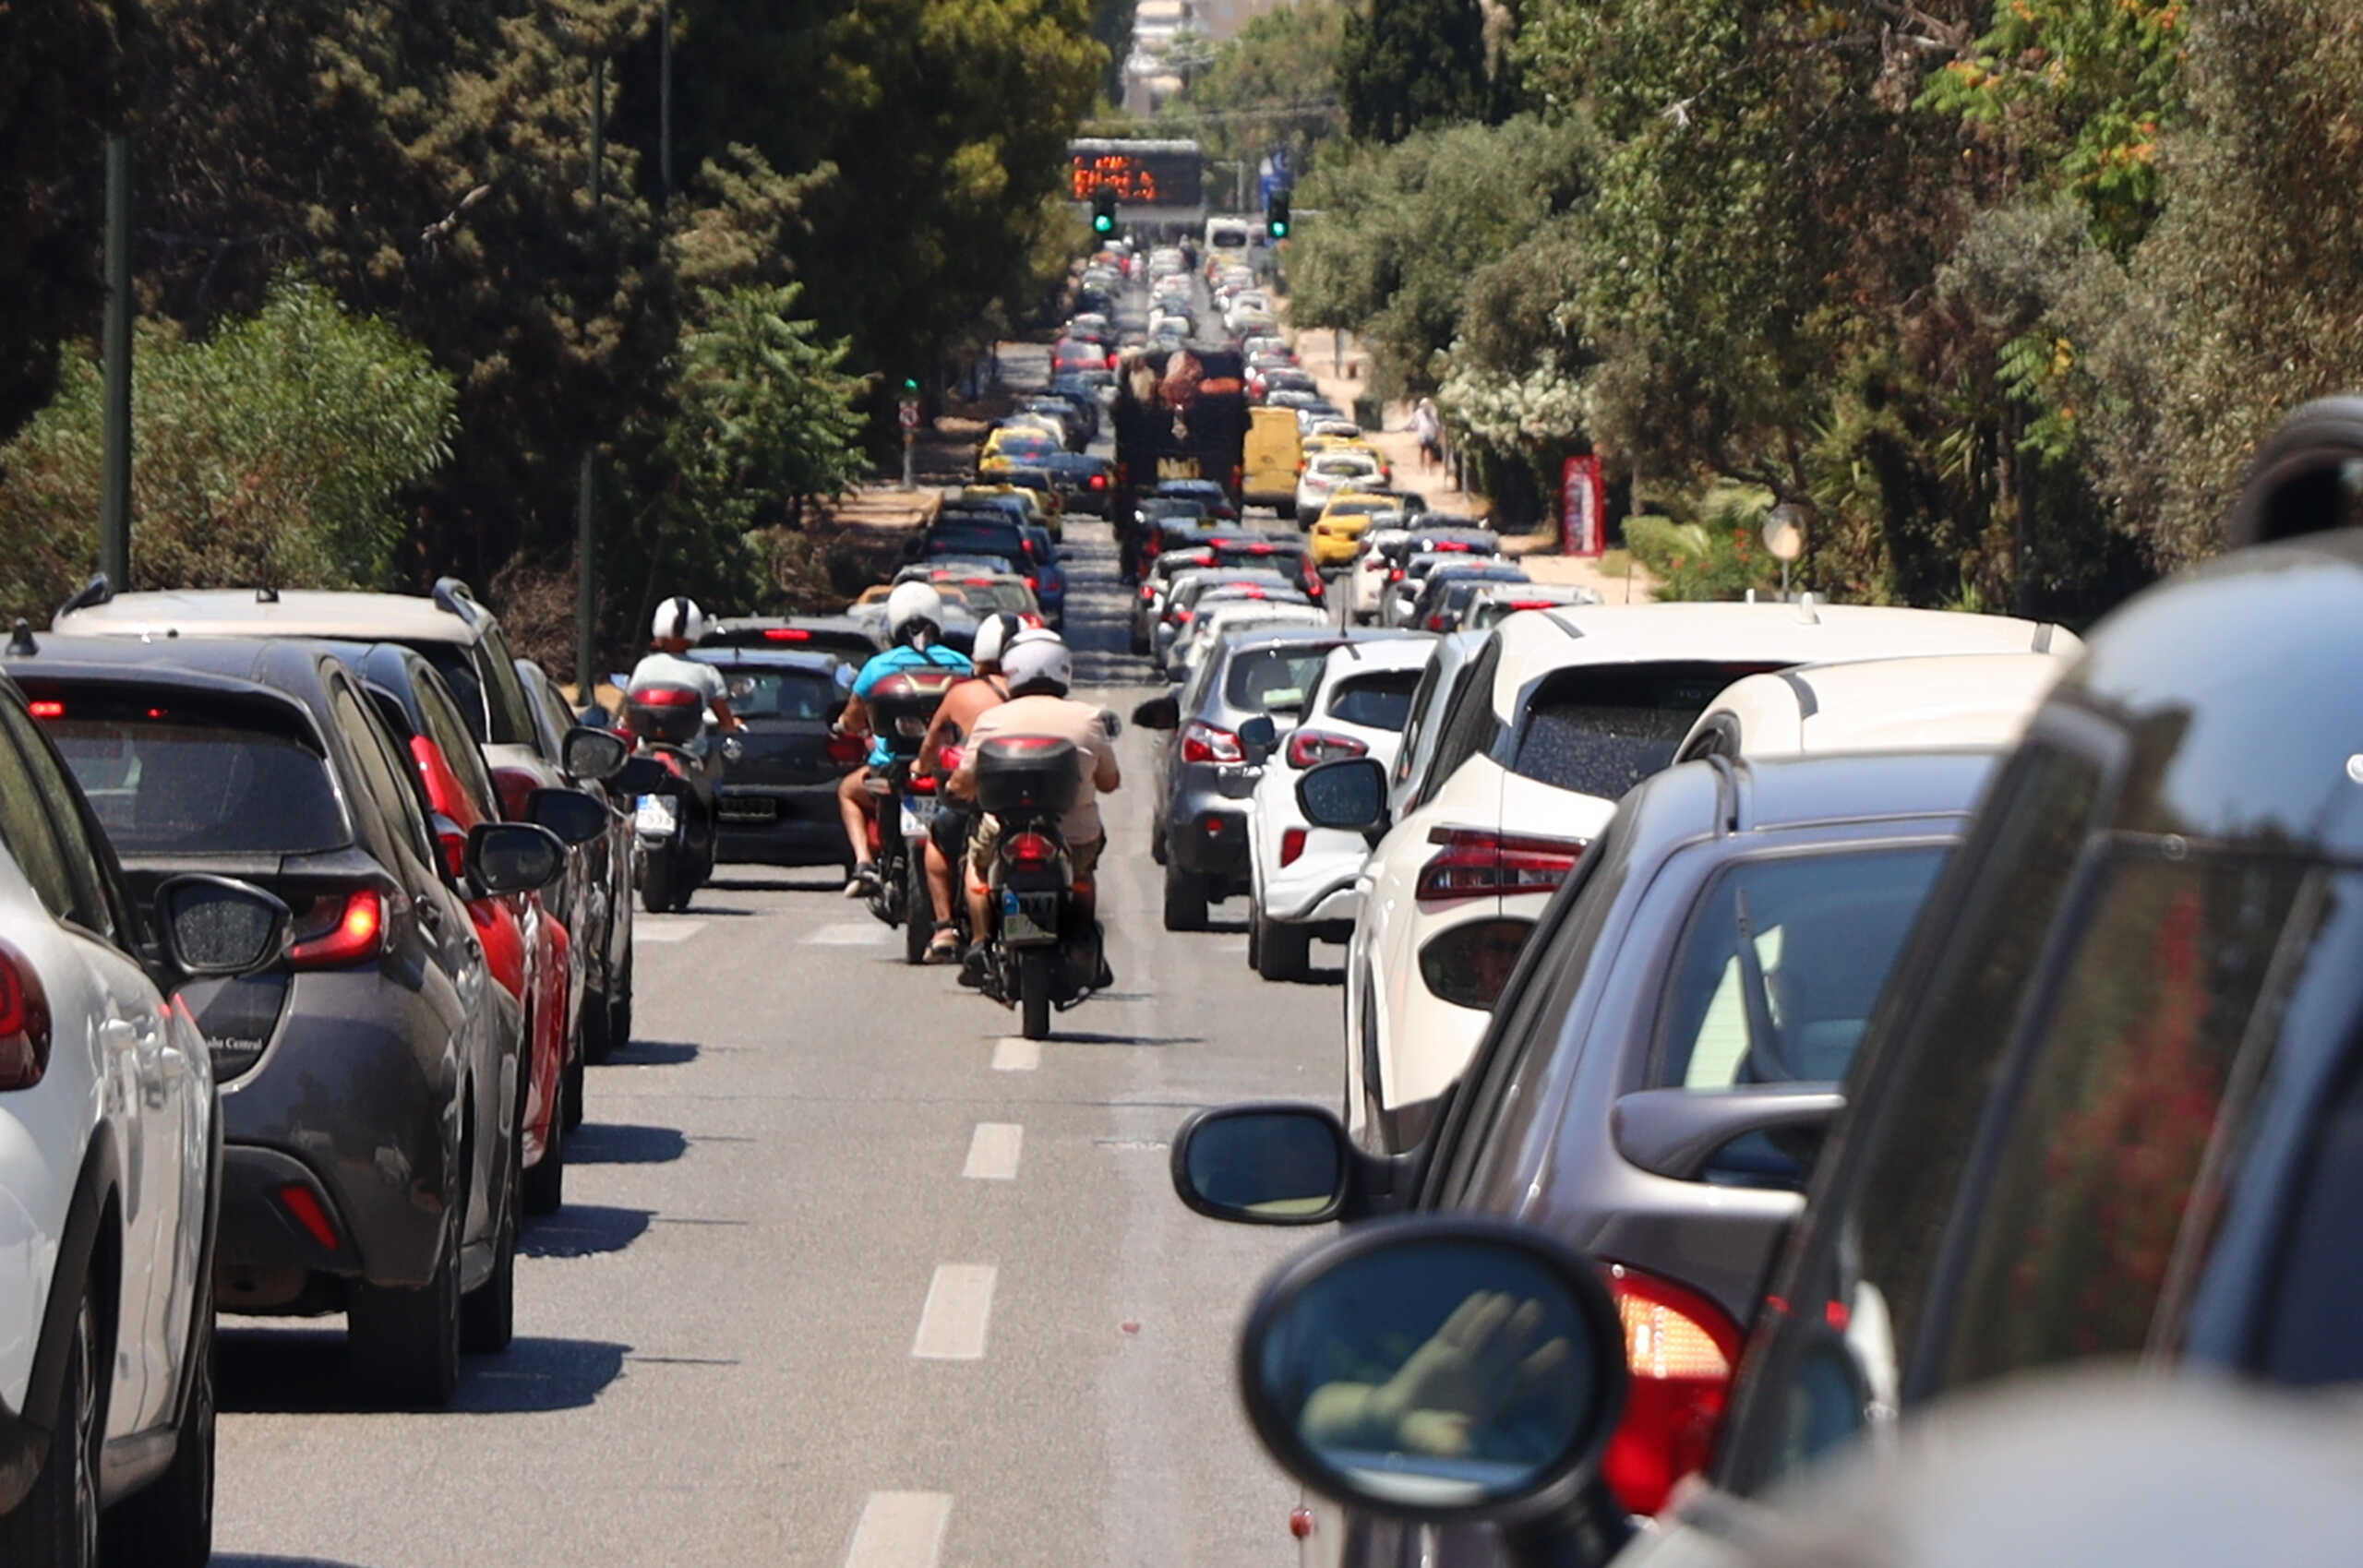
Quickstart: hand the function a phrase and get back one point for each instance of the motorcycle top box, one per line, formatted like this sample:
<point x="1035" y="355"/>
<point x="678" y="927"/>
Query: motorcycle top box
<point x="1038" y="774"/>
<point x="900" y="705"/>
<point x="675" y="714"/>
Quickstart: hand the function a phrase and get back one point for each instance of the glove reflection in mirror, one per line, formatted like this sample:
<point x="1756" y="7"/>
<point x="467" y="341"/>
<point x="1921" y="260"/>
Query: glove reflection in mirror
<point x="1458" y="1393"/>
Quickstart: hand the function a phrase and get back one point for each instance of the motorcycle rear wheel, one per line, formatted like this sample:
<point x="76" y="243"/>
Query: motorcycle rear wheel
<point x="919" y="909"/>
<point x="656" y="884"/>
<point x="1034" y="993"/>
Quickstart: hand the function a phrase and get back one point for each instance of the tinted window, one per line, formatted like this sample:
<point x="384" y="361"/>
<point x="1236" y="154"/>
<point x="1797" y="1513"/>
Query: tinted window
<point x="1421" y="716"/>
<point x="504" y="693"/>
<point x="2092" y="1178"/>
<point x="25" y="828"/>
<point x="780" y="694"/>
<point x="1468" y="724"/>
<point x="459" y="672"/>
<point x="1824" y="927"/>
<point x="1261" y="677"/>
<point x="392" y="786"/>
<point x="205" y="777"/>
<point x="1599" y="730"/>
<point x="92" y="908"/>
<point x="1376" y="701"/>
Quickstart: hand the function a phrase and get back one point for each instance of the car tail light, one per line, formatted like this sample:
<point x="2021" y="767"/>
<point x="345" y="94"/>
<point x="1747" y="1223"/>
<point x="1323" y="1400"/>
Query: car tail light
<point x="1184" y="616"/>
<point x="1148" y="591"/>
<point x="1480" y="864"/>
<point x="1311" y="747"/>
<point x="516" y="787"/>
<point x="45" y="709"/>
<point x="667" y="697"/>
<point x="356" y="933"/>
<point x="1031" y="850"/>
<point x="1679" y="1351"/>
<point x="1033" y="582"/>
<point x="1435" y="623"/>
<point x="1532" y="604"/>
<point x="786" y="634"/>
<point x="24" y="1022"/>
<point x="1203" y="742"/>
<point x="1292" y="845"/>
<point x="1448" y="546"/>
<point x="1099" y="482"/>
<point x="1395" y="574"/>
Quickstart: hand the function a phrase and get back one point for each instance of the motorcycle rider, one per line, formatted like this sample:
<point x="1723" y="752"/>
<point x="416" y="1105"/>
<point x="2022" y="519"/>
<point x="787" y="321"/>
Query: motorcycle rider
<point x="914" y="621"/>
<point x="677" y="626"/>
<point x="1039" y="671"/>
<point x="947" y="844"/>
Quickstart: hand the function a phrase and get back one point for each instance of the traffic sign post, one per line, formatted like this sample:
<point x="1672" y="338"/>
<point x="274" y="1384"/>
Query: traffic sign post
<point x="909" y="416"/>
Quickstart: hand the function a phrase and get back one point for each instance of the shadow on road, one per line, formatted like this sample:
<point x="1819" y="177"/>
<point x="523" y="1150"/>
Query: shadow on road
<point x="600" y="1143"/>
<point x="653" y="1053"/>
<point x="308" y="1372"/>
<point x="583" y="1230"/>
<point x="1079" y="1037"/>
<point x="247" y="1559"/>
<point x="823" y="878"/>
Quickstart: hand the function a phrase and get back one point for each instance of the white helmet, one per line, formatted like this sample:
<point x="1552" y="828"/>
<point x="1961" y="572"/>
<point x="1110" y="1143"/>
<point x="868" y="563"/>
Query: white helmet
<point x="678" y="617"/>
<point x="994" y="636"/>
<point x="1038" y="656"/>
<point x="912" y="603"/>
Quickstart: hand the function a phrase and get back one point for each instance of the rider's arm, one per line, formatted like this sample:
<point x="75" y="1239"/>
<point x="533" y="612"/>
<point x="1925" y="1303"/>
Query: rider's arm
<point x="723" y="718"/>
<point x="1105" y="775"/>
<point x="933" y="741"/>
<point x="854" y="720"/>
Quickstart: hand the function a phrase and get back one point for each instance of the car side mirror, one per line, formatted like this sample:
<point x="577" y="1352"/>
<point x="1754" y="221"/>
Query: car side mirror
<point x="1159" y="713"/>
<point x="1258" y="735"/>
<point x="1447" y="1370"/>
<point x="504" y="858"/>
<point x="574" y="817"/>
<point x="1350" y="793"/>
<point x="214" y="926"/>
<point x="594" y="754"/>
<point x="1263" y="1164"/>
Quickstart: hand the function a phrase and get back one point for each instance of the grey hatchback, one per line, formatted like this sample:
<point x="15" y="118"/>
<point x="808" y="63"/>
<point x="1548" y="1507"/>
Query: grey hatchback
<point x="1658" y="1070"/>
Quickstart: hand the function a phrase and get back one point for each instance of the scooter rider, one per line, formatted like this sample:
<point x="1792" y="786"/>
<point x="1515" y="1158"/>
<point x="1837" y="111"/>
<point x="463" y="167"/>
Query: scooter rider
<point x="1039" y="670"/>
<point x="677" y="626"/>
<point x="915" y="621"/>
<point x="947" y="844"/>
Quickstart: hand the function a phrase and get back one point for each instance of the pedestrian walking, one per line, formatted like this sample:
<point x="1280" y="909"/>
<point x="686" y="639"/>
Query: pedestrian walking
<point x="1427" y="426"/>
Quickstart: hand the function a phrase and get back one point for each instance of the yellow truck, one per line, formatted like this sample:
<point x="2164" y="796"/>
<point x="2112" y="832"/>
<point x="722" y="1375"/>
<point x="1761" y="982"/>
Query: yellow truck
<point x="1270" y="463"/>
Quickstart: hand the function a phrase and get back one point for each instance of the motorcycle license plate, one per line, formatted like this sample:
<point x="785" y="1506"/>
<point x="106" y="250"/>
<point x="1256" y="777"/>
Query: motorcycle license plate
<point x="919" y="814"/>
<point x="655" y="815"/>
<point x="1028" y="919"/>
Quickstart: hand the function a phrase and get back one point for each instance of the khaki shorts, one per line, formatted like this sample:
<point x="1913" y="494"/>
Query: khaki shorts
<point x="985" y="833"/>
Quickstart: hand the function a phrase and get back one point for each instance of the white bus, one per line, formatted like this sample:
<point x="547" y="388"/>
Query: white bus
<point x="1230" y="237"/>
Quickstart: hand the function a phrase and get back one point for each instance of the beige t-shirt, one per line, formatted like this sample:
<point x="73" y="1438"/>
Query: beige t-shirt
<point x="1078" y="721"/>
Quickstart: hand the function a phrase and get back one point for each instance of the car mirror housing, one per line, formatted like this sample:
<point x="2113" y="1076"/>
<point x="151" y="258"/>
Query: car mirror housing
<point x="1687" y="1133"/>
<point x="1257" y="735"/>
<point x="593" y="754"/>
<point x="504" y="858"/>
<point x="1445" y="1369"/>
<point x="214" y="926"/>
<point x="1280" y="1164"/>
<point x="574" y="817"/>
<point x="1159" y="713"/>
<point x="1350" y="793"/>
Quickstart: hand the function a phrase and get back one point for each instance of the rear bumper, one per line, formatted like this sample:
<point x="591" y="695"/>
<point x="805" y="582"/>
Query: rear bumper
<point x="1334" y="903"/>
<point x="802" y="826"/>
<point x="1206" y="834"/>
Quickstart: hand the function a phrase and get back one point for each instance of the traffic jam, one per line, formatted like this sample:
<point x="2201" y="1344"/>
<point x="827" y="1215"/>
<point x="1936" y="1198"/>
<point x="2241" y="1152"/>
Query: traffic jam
<point x="1785" y="1058"/>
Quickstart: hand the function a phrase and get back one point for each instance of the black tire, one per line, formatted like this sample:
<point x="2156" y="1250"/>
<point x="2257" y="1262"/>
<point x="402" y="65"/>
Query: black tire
<point x="570" y="1099"/>
<point x="169" y="1523"/>
<point x="918" y="907"/>
<point x="544" y="1184"/>
<point x="1185" y="900"/>
<point x="405" y="1343"/>
<point x="489" y="1313"/>
<point x="1156" y="843"/>
<point x="597" y="1011"/>
<point x="56" y="1526"/>
<point x="656" y="884"/>
<point x="1254" y="937"/>
<point x="1283" y="952"/>
<point x="1034" y="993"/>
<point x="619" y="1021"/>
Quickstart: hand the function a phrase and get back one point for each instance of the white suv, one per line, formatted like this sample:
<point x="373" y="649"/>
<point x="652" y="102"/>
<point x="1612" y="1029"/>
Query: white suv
<point x="109" y="1169"/>
<point x="1561" y="712"/>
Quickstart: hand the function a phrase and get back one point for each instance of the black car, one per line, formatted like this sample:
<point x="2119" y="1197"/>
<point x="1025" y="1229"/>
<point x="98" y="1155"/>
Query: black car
<point x="368" y="1081"/>
<point x="1209" y="493"/>
<point x="778" y="805"/>
<point x="1445" y="591"/>
<point x="843" y="636"/>
<point x="598" y="895"/>
<point x="1083" y="483"/>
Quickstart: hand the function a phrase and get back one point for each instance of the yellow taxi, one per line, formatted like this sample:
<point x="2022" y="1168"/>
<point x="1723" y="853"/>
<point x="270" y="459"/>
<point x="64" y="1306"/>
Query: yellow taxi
<point x="1042" y="507"/>
<point x="1015" y="445"/>
<point x="1339" y="528"/>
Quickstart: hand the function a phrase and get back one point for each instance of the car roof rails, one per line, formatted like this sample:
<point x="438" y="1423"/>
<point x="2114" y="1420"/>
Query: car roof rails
<point x="98" y="590"/>
<point x="2307" y="477"/>
<point x="456" y="597"/>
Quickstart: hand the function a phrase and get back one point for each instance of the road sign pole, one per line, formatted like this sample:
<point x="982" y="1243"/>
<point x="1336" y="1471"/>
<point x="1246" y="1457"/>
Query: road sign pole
<point x="114" y="469"/>
<point x="908" y="442"/>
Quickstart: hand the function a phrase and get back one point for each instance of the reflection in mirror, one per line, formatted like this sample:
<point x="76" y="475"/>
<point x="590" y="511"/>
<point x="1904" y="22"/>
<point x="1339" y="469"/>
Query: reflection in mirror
<point x="513" y="856"/>
<point x="589" y="753"/>
<point x="1270" y="1167"/>
<point x="218" y="928"/>
<point x="1350" y="793"/>
<point x="742" y="687"/>
<point x="1437" y="1373"/>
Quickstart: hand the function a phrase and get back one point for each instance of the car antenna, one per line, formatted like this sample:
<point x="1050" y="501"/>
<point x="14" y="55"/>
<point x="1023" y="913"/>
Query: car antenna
<point x="20" y="641"/>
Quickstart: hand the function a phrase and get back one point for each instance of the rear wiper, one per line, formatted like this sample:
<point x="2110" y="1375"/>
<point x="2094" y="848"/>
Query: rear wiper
<point x="1768" y="1056"/>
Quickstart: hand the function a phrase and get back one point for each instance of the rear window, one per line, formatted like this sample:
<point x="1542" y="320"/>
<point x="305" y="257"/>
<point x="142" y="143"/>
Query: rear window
<point x="1261" y="677"/>
<point x="780" y="694"/>
<point x="209" y="777"/>
<point x="1601" y="730"/>
<point x="1376" y="701"/>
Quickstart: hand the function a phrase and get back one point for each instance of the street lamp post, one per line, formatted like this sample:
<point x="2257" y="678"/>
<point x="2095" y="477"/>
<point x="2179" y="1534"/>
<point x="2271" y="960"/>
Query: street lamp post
<point x="115" y="474"/>
<point x="586" y="538"/>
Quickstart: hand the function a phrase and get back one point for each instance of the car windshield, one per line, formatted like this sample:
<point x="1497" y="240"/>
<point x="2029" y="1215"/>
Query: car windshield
<point x="1262" y="679"/>
<point x="780" y="694"/>
<point x="1780" y="963"/>
<point x="200" y="777"/>
<point x="1600" y="729"/>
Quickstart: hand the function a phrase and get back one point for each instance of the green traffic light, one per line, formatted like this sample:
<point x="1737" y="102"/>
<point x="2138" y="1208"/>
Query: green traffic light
<point x="1101" y="224"/>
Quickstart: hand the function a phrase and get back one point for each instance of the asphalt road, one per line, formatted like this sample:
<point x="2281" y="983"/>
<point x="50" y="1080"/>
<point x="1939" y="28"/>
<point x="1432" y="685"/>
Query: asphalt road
<point x="848" y="1274"/>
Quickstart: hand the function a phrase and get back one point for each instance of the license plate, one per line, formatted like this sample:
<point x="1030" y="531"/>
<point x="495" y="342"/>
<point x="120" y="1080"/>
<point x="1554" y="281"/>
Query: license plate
<point x="747" y="809"/>
<point x="919" y="814"/>
<point x="1028" y="919"/>
<point x="655" y="815"/>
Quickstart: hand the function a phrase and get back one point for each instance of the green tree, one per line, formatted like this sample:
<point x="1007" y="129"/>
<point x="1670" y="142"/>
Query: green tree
<point x="1275" y="84"/>
<point x="1412" y="62"/>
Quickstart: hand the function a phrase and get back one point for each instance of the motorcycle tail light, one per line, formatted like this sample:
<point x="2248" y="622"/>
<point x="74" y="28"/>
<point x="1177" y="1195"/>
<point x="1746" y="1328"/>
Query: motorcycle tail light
<point x="356" y="931"/>
<point x="24" y="1022"/>
<point x="922" y="784"/>
<point x="1292" y="845"/>
<point x="1679" y="1351"/>
<point x="1310" y="747"/>
<point x="667" y="697"/>
<point x="1395" y="574"/>
<point x="1031" y="850"/>
<point x="845" y="750"/>
<point x="1476" y="863"/>
<point x="1203" y="742"/>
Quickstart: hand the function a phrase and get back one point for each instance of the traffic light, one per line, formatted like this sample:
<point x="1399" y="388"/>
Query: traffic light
<point x="1276" y="215"/>
<point x="1103" y="212"/>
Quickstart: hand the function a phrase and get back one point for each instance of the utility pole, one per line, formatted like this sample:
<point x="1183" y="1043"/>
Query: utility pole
<point x="586" y="574"/>
<point x="665" y="100"/>
<point x="115" y="474"/>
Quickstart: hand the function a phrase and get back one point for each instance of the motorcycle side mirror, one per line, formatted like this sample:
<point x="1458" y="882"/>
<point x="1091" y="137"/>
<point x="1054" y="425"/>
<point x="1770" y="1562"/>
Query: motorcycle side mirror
<point x="593" y="754"/>
<point x="1447" y="1370"/>
<point x="733" y="748"/>
<point x="641" y="775"/>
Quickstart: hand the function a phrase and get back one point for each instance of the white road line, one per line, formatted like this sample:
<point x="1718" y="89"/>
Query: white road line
<point x="1014" y="1053"/>
<point x="992" y="1153"/>
<point x="900" y="1529"/>
<point x="666" y="931"/>
<point x="853" y="933"/>
<point x="959" y="1304"/>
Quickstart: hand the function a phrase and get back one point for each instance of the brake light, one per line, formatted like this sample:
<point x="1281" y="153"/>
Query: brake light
<point x="1480" y="864"/>
<point x="47" y="710"/>
<point x="845" y="750"/>
<point x="516" y="787"/>
<point x="1033" y="582"/>
<point x="1259" y="549"/>
<point x="1099" y="482"/>
<point x="1148" y="591"/>
<point x="359" y="928"/>
<point x="1435" y="623"/>
<point x="922" y="784"/>
<point x="1533" y="604"/>
<point x="786" y="634"/>
<point x="1203" y="742"/>
<point x="1679" y="1351"/>
<point x="24" y="1022"/>
<point x="1292" y="845"/>
<point x="1031" y="850"/>
<point x="667" y="697"/>
<point x="1185" y="614"/>
<point x="1448" y="546"/>
<point x="1395" y="574"/>
<point x="1310" y="747"/>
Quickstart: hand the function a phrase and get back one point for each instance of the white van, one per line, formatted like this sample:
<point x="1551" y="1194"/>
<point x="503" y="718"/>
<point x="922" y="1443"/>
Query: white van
<point x="1228" y="236"/>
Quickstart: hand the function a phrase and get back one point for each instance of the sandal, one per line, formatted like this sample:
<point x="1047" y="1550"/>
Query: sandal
<point x="946" y="946"/>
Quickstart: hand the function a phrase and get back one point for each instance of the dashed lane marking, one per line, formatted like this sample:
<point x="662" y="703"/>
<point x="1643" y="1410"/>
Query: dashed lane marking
<point x="851" y="933"/>
<point x="666" y="931"/>
<point x="1013" y="1054"/>
<point x="993" y="1152"/>
<point x="959" y="1305"/>
<point x="900" y="1529"/>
